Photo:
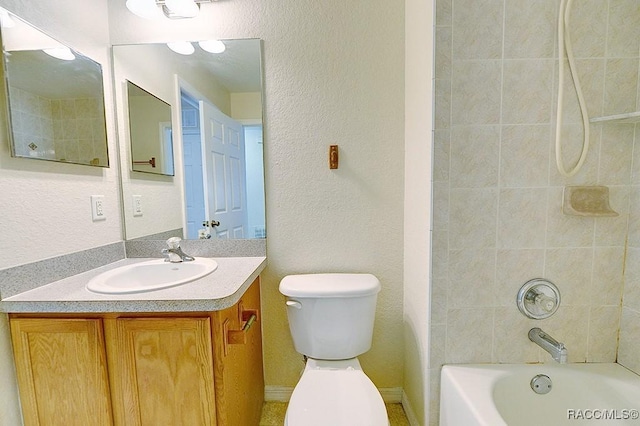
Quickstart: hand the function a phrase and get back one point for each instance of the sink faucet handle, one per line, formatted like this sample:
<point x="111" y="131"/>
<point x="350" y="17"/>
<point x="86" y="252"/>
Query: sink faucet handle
<point x="174" y="242"/>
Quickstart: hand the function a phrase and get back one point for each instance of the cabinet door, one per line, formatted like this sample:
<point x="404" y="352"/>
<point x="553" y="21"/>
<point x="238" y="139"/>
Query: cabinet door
<point x="238" y="362"/>
<point x="62" y="372"/>
<point x="161" y="371"/>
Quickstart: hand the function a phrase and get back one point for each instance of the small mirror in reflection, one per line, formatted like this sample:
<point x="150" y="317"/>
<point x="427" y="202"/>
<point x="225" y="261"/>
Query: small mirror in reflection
<point x="150" y="132"/>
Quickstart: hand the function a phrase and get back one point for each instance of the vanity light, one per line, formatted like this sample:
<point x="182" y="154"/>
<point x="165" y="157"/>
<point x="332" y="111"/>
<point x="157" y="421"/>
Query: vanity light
<point x="212" y="46"/>
<point x="181" y="8"/>
<point x="63" y="53"/>
<point x="146" y="9"/>
<point x="182" y="47"/>
<point x="173" y="9"/>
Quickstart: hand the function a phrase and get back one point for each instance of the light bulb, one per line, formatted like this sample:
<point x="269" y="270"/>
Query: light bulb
<point x="212" y="46"/>
<point x="182" y="8"/>
<point x="146" y="9"/>
<point x="182" y="47"/>
<point x="63" y="53"/>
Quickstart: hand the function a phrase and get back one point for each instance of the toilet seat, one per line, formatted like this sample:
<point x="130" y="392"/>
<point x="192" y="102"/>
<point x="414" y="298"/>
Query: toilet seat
<point x="335" y="393"/>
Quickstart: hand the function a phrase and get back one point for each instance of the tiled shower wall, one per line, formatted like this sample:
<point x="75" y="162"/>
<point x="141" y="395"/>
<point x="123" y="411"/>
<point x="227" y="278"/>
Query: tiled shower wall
<point x="63" y="129"/>
<point x="498" y="194"/>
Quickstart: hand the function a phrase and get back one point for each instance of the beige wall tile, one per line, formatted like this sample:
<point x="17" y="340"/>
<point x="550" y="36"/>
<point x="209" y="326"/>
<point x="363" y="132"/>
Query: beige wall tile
<point x="441" y="205"/>
<point x="472" y="218"/>
<point x="588" y="28"/>
<point x="631" y="297"/>
<point x="442" y="110"/>
<point x="612" y="231"/>
<point x="526" y="91"/>
<point x="471" y="278"/>
<point x="439" y="290"/>
<point x="568" y="325"/>
<point x="522" y="218"/>
<point x="477" y="29"/>
<point x="513" y="269"/>
<point x="621" y="85"/>
<point x="529" y="29"/>
<point x="603" y="333"/>
<point x="629" y="346"/>
<point x="474" y="156"/>
<point x="476" y="98"/>
<point x="616" y="150"/>
<point x="522" y="161"/>
<point x="512" y="344"/>
<point x="440" y="254"/>
<point x="469" y="335"/>
<point x="564" y="230"/>
<point x="443" y="53"/>
<point x="441" y="155"/>
<point x="623" y="38"/>
<point x="570" y="270"/>
<point x="608" y="279"/>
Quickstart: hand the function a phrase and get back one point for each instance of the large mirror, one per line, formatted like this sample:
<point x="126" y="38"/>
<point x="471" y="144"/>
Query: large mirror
<point x="55" y="98"/>
<point x="150" y="132"/>
<point x="216" y="102"/>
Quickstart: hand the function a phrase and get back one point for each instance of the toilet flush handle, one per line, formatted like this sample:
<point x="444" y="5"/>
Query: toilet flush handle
<point x="294" y="304"/>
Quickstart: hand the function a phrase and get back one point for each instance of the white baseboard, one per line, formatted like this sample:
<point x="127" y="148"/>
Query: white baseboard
<point x="408" y="411"/>
<point x="283" y="394"/>
<point x="277" y="393"/>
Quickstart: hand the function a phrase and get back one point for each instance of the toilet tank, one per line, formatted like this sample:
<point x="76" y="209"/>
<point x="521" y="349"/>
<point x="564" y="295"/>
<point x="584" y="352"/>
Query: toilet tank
<point x="331" y="315"/>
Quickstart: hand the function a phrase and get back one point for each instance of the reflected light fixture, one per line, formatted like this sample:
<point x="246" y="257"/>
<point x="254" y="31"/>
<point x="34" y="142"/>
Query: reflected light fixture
<point x="62" y="52"/>
<point x="6" y="21"/>
<point x="172" y="9"/>
<point x="182" y="47"/>
<point x="212" y="46"/>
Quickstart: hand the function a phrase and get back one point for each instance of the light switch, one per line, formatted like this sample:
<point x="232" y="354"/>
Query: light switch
<point x="137" y="205"/>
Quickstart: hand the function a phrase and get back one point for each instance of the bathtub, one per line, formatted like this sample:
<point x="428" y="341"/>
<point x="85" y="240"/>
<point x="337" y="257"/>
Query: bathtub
<point x="501" y="394"/>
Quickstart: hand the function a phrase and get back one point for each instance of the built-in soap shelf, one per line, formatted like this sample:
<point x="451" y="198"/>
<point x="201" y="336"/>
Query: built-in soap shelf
<point x="629" y="117"/>
<point x="587" y="201"/>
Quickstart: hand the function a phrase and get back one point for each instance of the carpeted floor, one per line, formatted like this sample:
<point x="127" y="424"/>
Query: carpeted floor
<point x="273" y="414"/>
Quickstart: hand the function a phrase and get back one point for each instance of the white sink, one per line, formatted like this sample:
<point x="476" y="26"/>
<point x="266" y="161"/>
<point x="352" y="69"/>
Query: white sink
<point x="150" y="275"/>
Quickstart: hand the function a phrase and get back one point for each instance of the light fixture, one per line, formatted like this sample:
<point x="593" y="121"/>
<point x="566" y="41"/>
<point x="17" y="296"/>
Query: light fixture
<point x="173" y="9"/>
<point x="180" y="8"/>
<point x="212" y="46"/>
<point x="147" y="9"/>
<point x="182" y="47"/>
<point x="6" y="21"/>
<point x="62" y="52"/>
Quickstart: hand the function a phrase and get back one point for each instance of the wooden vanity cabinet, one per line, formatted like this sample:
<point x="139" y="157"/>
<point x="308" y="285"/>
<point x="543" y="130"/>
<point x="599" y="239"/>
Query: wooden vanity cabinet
<point x="154" y="369"/>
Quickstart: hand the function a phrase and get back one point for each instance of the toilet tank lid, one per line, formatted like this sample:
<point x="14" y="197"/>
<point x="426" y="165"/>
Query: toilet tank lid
<point x="329" y="285"/>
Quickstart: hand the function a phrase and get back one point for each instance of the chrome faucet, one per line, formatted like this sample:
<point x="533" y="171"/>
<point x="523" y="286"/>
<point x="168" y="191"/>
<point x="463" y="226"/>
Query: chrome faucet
<point x="174" y="253"/>
<point x="557" y="350"/>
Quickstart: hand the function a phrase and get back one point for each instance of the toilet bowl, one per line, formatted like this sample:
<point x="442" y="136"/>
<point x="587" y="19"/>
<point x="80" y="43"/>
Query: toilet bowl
<point x="335" y="393"/>
<point x="331" y="321"/>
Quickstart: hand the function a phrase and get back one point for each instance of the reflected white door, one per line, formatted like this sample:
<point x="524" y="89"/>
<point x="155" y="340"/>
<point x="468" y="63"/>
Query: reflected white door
<point x="224" y="172"/>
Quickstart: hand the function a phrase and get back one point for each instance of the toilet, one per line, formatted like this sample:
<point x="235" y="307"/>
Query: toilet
<point x="331" y="321"/>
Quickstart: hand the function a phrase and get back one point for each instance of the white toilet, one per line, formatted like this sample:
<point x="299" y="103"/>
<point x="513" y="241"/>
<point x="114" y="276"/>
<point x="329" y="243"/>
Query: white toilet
<point x="331" y="321"/>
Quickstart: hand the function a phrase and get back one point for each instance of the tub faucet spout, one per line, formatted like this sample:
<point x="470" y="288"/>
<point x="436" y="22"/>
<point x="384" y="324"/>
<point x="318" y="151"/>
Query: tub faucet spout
<point x="557" y="349"/>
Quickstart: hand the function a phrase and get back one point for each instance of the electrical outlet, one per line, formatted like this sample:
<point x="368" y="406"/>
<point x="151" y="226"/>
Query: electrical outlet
<point x="97" y="208"/>
<point x="137" y="205"/>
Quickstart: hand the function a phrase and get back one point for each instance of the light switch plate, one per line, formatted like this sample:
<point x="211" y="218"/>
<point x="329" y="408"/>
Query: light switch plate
<point x="97" y="208"/>
<point x="137" y="205"/>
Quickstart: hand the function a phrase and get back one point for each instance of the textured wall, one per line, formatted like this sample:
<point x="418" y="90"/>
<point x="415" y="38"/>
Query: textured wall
<point x="46" y="209"/>
<point x="497" y="193"/>
<point x="333" y="75"/>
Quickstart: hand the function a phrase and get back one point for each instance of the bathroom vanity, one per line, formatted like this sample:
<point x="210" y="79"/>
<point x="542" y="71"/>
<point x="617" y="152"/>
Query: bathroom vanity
<point x="86" y="362"/>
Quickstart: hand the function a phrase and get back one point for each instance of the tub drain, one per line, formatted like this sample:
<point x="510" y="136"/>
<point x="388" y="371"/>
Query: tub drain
<point x="541" y="384"/>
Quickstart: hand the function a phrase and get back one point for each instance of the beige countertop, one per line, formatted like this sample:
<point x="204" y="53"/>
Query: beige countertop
<point x="218" y="290"/>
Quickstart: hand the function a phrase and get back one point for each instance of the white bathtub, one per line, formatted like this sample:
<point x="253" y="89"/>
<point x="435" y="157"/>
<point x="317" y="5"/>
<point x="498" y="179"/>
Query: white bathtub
<point x="501" y="394"/>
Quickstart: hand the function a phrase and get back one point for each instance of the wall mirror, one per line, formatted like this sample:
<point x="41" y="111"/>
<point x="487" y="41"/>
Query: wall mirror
<point x="55" y="98"/>
<point x="149" y="132"/>
<point x="215" y="92"/>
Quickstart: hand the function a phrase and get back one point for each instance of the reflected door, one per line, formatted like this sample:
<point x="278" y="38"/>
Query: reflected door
<point x="224" y="172"/>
